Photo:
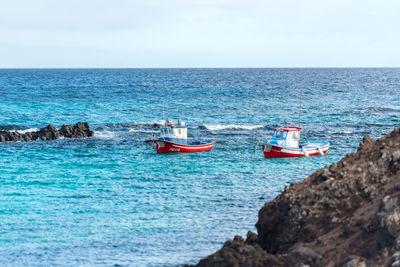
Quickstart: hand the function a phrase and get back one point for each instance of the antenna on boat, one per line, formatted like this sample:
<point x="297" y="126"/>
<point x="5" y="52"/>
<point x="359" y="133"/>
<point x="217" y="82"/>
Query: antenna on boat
<point x="301" y="91"/>
<point x="163" y="112"/>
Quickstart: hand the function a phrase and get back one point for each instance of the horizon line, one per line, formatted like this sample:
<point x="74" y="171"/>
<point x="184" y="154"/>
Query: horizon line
<point x="353" y="67"/>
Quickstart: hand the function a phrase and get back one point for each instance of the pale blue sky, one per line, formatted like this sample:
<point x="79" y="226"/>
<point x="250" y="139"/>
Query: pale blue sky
<point x="203" y="33"/>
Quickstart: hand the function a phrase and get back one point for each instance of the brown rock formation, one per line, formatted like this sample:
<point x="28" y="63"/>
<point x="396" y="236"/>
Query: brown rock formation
<point x="347" y="214"/>
<point x="79" y="130"/>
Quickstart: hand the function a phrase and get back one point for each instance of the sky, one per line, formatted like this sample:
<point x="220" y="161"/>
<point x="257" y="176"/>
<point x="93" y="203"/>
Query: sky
<point x="199" y="33"/>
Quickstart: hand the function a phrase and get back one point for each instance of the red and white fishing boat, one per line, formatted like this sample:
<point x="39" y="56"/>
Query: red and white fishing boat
<point x="173" y="138"/>
<point x="285" y="142"/>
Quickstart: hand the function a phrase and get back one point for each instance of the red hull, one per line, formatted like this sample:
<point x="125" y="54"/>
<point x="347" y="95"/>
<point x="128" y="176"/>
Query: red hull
<point x="280" y="152"/>
<point x="170" y="147"/>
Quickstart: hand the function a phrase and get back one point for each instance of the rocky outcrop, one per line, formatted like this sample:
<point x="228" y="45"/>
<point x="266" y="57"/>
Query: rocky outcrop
<point x="237" y="252"/>
<point x="347" y="214"/>
<point x="79" y="130"/>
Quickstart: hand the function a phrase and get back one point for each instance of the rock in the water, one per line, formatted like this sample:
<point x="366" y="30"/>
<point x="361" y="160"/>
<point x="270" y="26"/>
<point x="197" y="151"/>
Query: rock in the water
<point x="79" y="130"/>
<point x="47" y="133"/>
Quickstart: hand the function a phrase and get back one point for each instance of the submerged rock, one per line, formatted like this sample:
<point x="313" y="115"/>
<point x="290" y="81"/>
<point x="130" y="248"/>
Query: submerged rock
<point x="347" y="214"/>
<point x="79" y="130"/>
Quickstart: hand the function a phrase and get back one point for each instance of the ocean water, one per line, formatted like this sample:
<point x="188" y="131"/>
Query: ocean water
<point x="109" y="200"/>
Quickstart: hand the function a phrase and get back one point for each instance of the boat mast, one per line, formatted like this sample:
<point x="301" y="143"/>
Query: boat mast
<point x="301" y="90"/>
<point x="163" y="114"/>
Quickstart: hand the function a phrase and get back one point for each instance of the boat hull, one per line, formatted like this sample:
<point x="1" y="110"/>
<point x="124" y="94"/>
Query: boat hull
<point x="275" y="151"/>
<point x="162" y="146"/>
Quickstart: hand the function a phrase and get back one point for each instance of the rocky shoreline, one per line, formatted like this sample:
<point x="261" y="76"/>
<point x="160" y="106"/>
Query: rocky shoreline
<point x="79" y="130"/>
<point x="347" y="214"/>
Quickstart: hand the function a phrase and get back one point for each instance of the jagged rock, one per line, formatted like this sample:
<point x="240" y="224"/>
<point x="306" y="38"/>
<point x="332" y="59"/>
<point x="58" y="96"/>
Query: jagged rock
<point x="389" y="220"/>
<point x="396" y="244"/>
<point x="354" y="261"/>
<point x="66" y="130"/>
<point x="236" y="253"/>
<point x="47" y="133"/>
<point x="251" y="238"/>
<point x="349" y="208"/>
<point x="303" y="256"/>
<point x="79" y="130"/>
<point x="396" y="257"/>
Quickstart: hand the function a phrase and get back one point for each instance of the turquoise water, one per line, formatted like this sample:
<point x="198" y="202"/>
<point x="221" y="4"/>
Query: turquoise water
<point x="110" y="200"/>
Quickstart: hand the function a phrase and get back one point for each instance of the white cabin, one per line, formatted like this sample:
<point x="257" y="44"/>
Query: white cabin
<point x="171" y="130"/>
<point x="287" y="136"/>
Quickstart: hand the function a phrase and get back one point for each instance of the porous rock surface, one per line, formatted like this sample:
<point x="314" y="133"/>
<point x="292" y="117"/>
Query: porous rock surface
<point x="347" y="214"/>
<point x="79" y="130"/>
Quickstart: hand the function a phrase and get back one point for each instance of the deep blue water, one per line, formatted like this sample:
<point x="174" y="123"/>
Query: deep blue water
<point x="110" y="200"/>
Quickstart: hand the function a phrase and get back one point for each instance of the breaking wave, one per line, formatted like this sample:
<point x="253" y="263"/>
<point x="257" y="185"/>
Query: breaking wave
<point x="219" y="127"/>
<point x="127" y="126"/>
<point x="105" y="134"/>
<point x="25" y="130"/>
<point x="141" y="131"/>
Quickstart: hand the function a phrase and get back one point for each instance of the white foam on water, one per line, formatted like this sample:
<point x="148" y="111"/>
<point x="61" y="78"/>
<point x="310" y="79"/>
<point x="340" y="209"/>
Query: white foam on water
<point x="141" y="131"/>
<point x="160" y="122"/>
<point x="218" y="127"/>
<point x="341" y="132"/>
<point x="26" y="130"/>
<point x="105" y="134"/>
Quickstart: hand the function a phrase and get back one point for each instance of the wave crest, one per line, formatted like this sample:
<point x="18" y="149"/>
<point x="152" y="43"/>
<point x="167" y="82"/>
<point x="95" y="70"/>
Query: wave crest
<point x="104" y="134"/>
<point x="25" y="130"/>
<point x="219" y="127"/>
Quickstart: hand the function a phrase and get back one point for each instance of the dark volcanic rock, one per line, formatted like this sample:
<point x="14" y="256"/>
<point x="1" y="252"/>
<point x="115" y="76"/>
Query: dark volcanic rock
<point x="237" y="253"/>
<point x="47" y="133"/>
<point x="303" y="256"/>
<point x="347" y="214"/>
<point x="389" y="220"/>
<point x="79" y="130"/>
<point x="354" y="261"/>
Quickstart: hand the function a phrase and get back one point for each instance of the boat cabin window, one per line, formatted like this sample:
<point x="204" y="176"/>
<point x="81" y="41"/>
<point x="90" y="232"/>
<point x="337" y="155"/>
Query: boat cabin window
<point x="165" y="132"/>
<point x="286" y="135"/>
<point x="277" y="134"/>
<point x="294" y="135"/>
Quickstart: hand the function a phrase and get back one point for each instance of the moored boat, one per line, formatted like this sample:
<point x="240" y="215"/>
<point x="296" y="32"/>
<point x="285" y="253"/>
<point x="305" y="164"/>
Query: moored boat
<point x="173" y="138"/>
<point x="285" y="142"/>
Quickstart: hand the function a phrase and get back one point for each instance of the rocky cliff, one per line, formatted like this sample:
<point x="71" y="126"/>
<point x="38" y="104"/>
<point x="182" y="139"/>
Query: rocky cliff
<point x="79" y="130"/>
<point x="347" y="214"/>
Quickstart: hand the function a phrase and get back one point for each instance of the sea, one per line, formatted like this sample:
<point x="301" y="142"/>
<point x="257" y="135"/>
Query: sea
<point x="110" y="200"/>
